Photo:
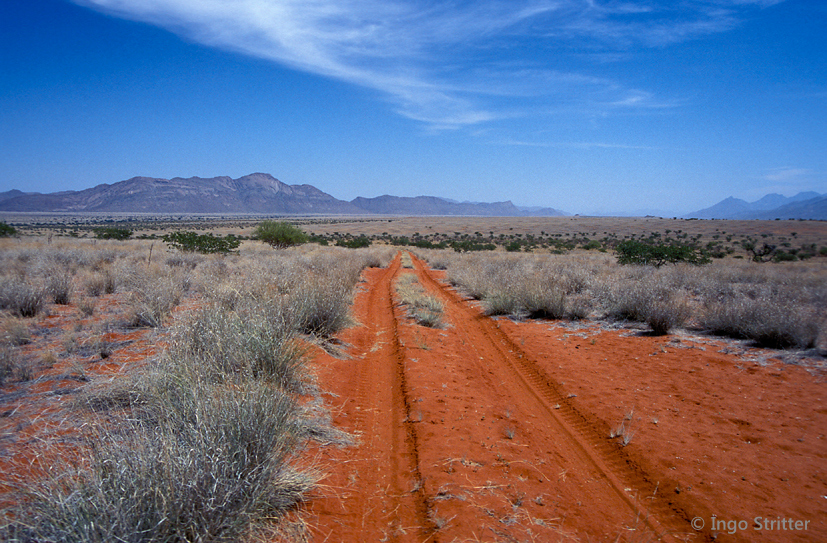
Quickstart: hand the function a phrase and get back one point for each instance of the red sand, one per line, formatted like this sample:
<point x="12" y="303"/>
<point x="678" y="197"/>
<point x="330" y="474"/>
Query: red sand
<point x="491" y="430"/>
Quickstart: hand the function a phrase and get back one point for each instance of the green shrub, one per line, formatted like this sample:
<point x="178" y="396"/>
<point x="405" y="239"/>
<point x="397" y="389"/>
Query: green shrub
<point x="111" y="232"/>
<point x="465" y="246"/>
<point x="426" y="244"/>
<point x="354" y="243"/>
<point x="658" y="254"/>
<point x="279" y="235"/>
<point x="6" y="230"/>
<point x="784" y="256"/>
<point x="765" y="253"/>
<point x="193" y="242"/>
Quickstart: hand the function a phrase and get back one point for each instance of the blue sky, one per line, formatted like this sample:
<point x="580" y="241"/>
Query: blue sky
<point x="589" y="106"/>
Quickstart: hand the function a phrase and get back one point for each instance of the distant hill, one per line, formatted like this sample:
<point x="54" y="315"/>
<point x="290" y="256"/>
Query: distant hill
<point x="9" y="194"/>
<point x="431" y="205"/>
<point x="804" y="205"/>
<point x="814" y="209"/>
<point x="254" y="193"/>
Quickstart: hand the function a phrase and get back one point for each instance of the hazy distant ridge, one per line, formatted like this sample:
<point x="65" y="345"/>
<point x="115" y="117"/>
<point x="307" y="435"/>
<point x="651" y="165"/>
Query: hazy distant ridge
<point x="254" y="193"/>
<point x="263" y="193"/>
<point x="431" y="205"/>
<point x="804" y="205"/>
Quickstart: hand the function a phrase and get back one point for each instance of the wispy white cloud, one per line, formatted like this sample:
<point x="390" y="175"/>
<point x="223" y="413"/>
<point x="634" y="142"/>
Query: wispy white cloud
<point x="787" y="174"/>
<point x="443" y="63"/>
<point x="584" y="145"/>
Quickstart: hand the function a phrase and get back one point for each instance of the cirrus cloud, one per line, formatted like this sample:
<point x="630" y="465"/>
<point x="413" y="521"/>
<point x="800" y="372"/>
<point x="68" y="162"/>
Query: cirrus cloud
<point x="447" y="64"/>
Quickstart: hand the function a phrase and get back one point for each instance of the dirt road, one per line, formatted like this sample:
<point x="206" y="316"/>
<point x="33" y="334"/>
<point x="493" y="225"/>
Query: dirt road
<point x="462" y="437"/>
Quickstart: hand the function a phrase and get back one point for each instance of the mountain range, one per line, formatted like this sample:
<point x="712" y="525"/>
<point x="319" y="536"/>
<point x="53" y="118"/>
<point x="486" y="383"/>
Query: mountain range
<point x="263" y="193"/>
<point x="804" y="205"/>
<point x="254" y="193"/>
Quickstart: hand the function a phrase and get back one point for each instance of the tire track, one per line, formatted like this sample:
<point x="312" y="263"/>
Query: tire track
<point x="389" y="500"/>
<point x="579" y="435"/>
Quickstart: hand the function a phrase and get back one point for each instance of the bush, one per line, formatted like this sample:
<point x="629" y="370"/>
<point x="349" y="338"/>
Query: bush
<point x="784" y="256"/>
<point x="7" y="230"/>
<point x="769" y="322"/>
<point x="279" y="235"/>
<point x="321" y="307"/>
<point x="193" y="242"/>
<point x="21" y="298"/>
<point x="59" y="286"/>
<point x="664" y="315"/>
<point x="101" y="283"/>
<point x="465" y="246"/>
<point x="354" y="243"/>
<point x="204" y="441"/>
<point x="111" y="232"/>
<point x="249" y="342"/>
<point x="658" y="254"/>
<point x="649" y="300"/>
<point x="8" y="363"/>
<point x="212" y="471"/>
<point x="153" y="296"/>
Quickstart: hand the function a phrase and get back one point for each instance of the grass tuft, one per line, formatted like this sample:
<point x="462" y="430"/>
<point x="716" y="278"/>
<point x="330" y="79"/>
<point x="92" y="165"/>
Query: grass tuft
<point x="769" y="322"/>
<point x="425" y="309"/>
<point x="21" y="298"/>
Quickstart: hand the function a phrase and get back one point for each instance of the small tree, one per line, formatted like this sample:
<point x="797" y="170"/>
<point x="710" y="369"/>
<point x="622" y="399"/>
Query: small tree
<point x="112" y="232"/>
<point x="765" y="253"/>
<point x="202" y="243"/>
<point x="279" y="234"/>
<point x="354" y="243"/>
<point x="638" y="252"/>
<point x="6" y="230"/>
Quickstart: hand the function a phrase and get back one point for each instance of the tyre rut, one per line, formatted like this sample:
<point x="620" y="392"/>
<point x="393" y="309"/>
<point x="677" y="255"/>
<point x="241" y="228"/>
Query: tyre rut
<point x="662" y="515"/>
<point x="388" y="497"/>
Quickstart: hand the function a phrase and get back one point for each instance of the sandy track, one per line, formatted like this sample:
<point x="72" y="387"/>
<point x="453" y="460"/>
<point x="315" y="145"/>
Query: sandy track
<point x="622" y="487"/>
<point x="381" y="497"/>
<point x="462" y="437"/>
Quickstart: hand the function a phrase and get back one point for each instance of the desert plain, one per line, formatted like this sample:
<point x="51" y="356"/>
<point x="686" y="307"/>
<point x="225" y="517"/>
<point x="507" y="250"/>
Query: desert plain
<point x="429" y="394"/>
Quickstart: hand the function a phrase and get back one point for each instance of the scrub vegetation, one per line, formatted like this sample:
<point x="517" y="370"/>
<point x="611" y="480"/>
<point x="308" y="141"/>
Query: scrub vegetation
<point x="776" y="305"/>
<point x="203" y="440"/>
<point x="198" y="443"/>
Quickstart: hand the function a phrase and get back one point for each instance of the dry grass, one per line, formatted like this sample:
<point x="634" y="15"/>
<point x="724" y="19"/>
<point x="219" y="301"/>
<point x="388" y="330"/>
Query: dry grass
<point x="20" y="297"/>
<point x="425" y="309"/>
<point x="778" y="305"/>
<point x="154" y="293"/>
<point x="198" y="444"/>
<point x="213" y="468"/>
